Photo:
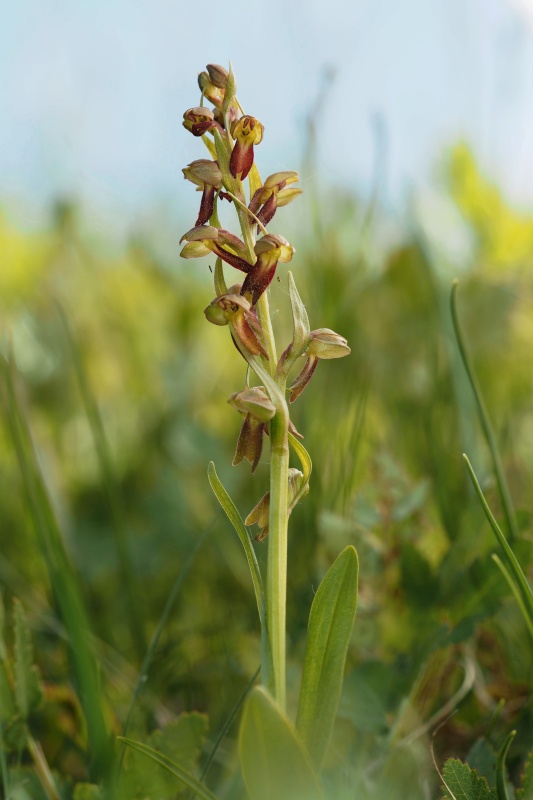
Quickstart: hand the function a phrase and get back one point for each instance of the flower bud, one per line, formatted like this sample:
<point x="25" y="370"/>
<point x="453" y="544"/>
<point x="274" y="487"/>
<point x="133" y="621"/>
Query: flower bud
<point x="325" y="343"/>
<point x="218" y="75"/>
<point x="209" y="90"/>
<point x="203" y="171"/>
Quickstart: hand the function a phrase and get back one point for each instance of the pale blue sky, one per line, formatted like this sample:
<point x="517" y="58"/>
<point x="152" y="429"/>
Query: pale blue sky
<point x="93" y="92"/>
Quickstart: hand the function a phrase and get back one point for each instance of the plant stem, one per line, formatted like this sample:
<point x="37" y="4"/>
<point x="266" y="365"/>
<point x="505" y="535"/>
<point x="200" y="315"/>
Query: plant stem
<point x="276" y="584"/>
<point x="263" y="312"/>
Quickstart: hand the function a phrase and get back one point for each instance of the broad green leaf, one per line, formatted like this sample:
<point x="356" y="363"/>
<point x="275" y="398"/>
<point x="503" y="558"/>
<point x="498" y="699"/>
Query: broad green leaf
<point x="274" y="762"/>
<point x="330" y="627"/>
<point x="171" y="766"/>
<point x="463" y="783"/>
<point x="28" y="692"/>
<point x="526" y="792"/>
<point x="235" y="518"/>
<point x="501" y="778"/>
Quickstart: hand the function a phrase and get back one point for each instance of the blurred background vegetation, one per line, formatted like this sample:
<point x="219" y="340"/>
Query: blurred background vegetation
<point x="124" y="386"/>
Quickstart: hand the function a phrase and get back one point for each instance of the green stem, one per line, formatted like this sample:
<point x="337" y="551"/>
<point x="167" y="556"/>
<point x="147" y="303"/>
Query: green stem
<point x="276" y="584"/>
<point x="263" y="313"/>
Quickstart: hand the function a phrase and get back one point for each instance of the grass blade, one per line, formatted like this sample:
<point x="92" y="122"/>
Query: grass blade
<point x="63" y="579"/>
<point x="501" y="788"/>
<point x="147" y="661"/>
<point x="509" y="557"/>
<point x="505" y="495"/>
<point x="133" y="607"/>
<point x="515" y="590"/>
<point x="165" y="762"/>
<point x="229" y="722"/>
<point x="330" y="627"/>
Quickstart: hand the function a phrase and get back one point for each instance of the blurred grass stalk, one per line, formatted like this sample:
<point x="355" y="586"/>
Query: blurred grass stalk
<point x="134" y="608"/>
<point x="63" y="579"/>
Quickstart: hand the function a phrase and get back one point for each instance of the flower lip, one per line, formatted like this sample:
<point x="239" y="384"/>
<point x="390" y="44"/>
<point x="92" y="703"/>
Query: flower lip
<point x="199" y="120"/>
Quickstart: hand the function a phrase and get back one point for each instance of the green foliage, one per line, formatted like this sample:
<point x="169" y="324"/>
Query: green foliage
<point x="273" y="759"/>
<point x="463" y="783"/>
<point x="330" y="627"/>
<point x="176" y="748"/>
<point x="386" y="434"/>
<point x="28" y="690"/>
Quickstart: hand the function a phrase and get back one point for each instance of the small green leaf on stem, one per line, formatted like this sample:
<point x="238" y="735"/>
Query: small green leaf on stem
<point x="234" y="517"/>
<point x="301" y="330"/>
<point x="220" y="283"/>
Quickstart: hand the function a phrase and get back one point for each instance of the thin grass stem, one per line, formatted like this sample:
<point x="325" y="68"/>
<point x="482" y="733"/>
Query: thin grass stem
<point x="505" y="495"/>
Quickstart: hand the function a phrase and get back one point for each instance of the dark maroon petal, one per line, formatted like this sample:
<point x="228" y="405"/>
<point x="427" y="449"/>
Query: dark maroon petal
<point x="303" y="378"/>
<point x="250" y="443"/>
<point x="258" y="280"/>
<point x="255" y="202"/>
<point x="268" y="210"/>
<point x="248" y="337"/>
<point x="242" y="158"/>
<point x="232" y="259"/>
<point x="207" y="205"/>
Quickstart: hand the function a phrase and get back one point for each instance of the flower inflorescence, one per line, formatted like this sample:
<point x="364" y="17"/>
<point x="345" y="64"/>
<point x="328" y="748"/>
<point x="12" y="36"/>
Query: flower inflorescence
<point x="230" y="137"/>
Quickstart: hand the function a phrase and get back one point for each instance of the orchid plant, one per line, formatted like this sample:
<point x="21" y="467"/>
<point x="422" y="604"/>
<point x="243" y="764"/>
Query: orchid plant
<point x="230" y="174"/>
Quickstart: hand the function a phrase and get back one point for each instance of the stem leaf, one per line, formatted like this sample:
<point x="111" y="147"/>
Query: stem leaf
<point x="274" y="762"/>
<point x="330" y="627"/>
<point x="235" y="518"/>
<point x="165" y="762"/>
